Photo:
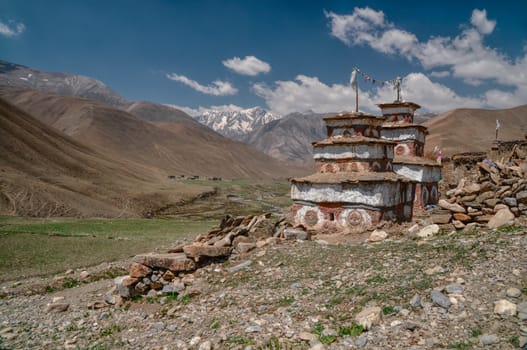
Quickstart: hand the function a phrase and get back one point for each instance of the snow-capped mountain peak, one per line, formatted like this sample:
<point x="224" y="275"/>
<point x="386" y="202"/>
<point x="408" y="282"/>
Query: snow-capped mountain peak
<point x="235" y="122"/>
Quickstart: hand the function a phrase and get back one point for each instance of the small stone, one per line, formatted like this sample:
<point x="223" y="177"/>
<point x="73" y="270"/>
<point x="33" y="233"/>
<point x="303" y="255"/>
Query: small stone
<point x="428" y="231"/>
<point x="510" y="201"/>
<point x="453" y="207"/>
<point x="169" y="261"/>
<point x="240" y="266"/>
<point x="411" y="326"/>
<point x="307" y="336"/>
<point x="173" y="288"/>
<point x="361" y="341"/>
<point x="514" y="292"/>
<point x="396" y="323"/>
<point x="505" y="308"/>
<point x="245" y="247"/>
<point x="206" y="345"/>
<point x="458" y="225"/>
<point x="521" y="197"/>
<point x="413" y="229"/>
<point x="501" y="218"/>
<point x="194" y="341"/>
<point x="369" y="317"/>
<point x="291" y="233"/>
<point x="139" y="270"/>
<point x="455" y="288"/>
<point x="84" y="275"/>
<point x="462" y="217"/>
<point x="196" y="251"/>
<point x="377" y="236"/>
<point x="470" y="227"/>
<point x="488" y="339"/>
<point x="57" y="307"/>
<point x="415" y="301"/>
<point x="168" y="275"/>
<point x="253" y="329"/>
<point x="440" y="299"/>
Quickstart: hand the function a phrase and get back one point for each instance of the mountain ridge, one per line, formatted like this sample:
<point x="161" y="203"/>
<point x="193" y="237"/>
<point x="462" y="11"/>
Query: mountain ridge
<point x="16" y="75"/>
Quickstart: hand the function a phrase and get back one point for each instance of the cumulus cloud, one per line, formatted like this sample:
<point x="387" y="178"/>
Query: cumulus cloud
<point x="480" y="21"/>
<point x="249" y="65"/>
<point x="11" y="29"/>
<point x="217" y="88"/>
<point x="464" y="56"/>
<point x="307" y="93"/>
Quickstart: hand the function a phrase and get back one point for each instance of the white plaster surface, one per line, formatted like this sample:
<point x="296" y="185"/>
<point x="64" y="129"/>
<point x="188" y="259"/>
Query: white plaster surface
<point x="343" y="217"/>
<point x="397" y="110"/>
<point x="417" y="172"/>
<point x="362" y="151"/>
<point x="354" y="121"/>
<point x="379" y="194"/>
<point x="403" y="134"/>
<point x="299" y="217"/>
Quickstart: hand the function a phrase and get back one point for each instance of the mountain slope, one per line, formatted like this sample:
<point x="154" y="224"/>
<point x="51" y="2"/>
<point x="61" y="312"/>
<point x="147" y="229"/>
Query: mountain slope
<point x="236" y="123"/>
<point x="46" y="173"/>
<point x="16" y="75"/>
<point x="474" y="130"/>
<point x="174" y="147"/>
<point x="289" y="139"/>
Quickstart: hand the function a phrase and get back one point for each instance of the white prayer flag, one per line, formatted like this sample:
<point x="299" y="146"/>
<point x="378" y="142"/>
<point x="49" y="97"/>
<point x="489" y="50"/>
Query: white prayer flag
<point x="497" y="124"/>
<point x="353" y="79"/>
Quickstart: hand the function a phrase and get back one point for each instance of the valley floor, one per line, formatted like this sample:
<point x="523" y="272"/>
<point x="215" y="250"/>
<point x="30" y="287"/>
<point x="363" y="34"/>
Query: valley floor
<point x="299" y="295"/>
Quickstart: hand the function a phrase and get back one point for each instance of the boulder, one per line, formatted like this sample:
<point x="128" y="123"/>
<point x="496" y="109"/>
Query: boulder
<point x="377" y="236"/>
<point x="428" y="231"/>
<point x="462" y="217"/>
<point x="292" y="233"/>
<point x="369" y="317"/>
<point x="501" y="218"/>
<point x="171" y="261"/>
<point x="521" y="197"/>
<point x="139" y="270"/>
<point x="197" y="251"/>
<point x="505" y="308"/>
<point x="510" y="201"/>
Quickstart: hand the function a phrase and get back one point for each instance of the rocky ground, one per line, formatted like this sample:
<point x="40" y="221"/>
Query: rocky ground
<point x="448" y="291"/>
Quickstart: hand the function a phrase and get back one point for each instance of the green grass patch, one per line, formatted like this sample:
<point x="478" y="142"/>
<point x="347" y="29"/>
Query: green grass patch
<point x="460" y="346"/>
<point x="110" y="330"/>
<point x="354" y="330"/>
<point x="33" y="247"/>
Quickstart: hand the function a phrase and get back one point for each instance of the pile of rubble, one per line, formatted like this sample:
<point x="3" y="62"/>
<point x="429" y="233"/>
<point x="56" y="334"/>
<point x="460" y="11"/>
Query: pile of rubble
<point x="496" y="198"/>
<point x="150" y="274"/>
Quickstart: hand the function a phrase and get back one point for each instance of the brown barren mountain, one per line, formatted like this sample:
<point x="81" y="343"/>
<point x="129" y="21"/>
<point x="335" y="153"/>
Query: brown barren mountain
<point x="177" y="145"/>
<point x="474" y="130"/>
<point x="44" y="172"/>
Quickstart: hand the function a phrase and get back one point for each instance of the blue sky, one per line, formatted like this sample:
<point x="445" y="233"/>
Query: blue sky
<point x="282" y="55"/>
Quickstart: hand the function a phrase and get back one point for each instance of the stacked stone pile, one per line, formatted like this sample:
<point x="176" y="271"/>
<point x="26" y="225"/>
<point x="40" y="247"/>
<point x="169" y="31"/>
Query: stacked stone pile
<point x="165" y="273"/>
<point x="496" y="198"/>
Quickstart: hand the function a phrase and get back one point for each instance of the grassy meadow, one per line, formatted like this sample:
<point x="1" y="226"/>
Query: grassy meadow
<point x="43" y="246"/>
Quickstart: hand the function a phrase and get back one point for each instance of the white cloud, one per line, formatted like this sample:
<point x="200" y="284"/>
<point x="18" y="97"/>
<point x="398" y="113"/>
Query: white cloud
<point x="440" y="74"/>
<point x="217" y="88"/>
<point x="306" y="93"/>
<point x="362" y="20"/>
<point x="309" y="93"/>
<point x="480" y="21"/>
<point x="11" y="29"/>
<point x="249" y="65"/>
<point x="464" y="56"/>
